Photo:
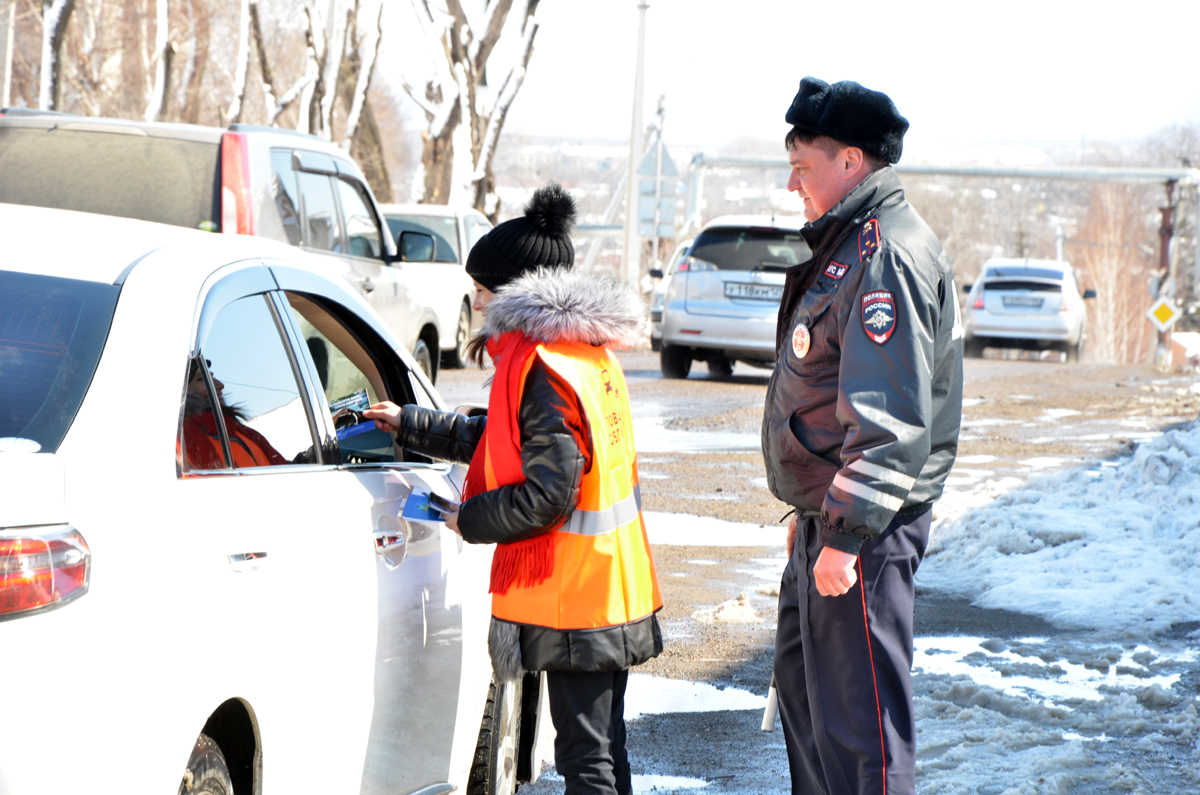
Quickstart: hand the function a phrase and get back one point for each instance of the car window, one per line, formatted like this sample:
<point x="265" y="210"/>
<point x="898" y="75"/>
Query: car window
<point x="745" y="249"/>
<point x="321" y="228"/>
<point x="350" y="379"/>
<point x="476" y="228"/>
<point x="52" y="331"/>
<point x="285" y="194"/>
<point x="362" y="232"/>
<point x="242" y="397"/>
<point x="444" y="232"/>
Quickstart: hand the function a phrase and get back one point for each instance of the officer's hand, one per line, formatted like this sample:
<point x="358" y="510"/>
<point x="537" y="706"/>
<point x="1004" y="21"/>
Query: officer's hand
<point x="791" y="537"/>
<point x="386" y="416"/>
<point x="834" y="572"/>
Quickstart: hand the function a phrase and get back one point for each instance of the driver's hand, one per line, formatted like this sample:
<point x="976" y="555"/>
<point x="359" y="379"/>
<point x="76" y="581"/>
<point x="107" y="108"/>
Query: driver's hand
<point x="386" y="416"/>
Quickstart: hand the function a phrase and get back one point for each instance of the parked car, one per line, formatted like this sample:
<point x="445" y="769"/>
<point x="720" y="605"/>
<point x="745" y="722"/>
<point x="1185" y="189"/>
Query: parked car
<point x="660" y="291"/>
<point x="1026" y="303"/>
<point x="264" y="181"/>
<point x="722" y="301"/>
<point x="211" y="568"/>
<point x="441" y="281"/>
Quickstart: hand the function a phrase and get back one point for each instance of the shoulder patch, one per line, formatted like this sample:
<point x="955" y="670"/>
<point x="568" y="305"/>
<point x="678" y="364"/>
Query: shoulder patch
<point x="836" y="270"/>
<point x="868" y="239"/>
<point x="879" y="315"/>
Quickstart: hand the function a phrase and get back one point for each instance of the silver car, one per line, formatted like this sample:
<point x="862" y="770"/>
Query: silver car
<point x="1026" y="303"/>
<point x="722" y="302"/>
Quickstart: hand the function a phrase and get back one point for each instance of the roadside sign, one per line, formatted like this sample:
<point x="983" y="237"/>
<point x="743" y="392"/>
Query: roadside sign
<point x="1163" y="313"/>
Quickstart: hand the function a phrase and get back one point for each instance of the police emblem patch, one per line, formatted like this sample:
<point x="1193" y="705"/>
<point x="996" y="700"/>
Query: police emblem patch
<point x="879" y="315"/>
<point x="868" y="239"/>
<point x="836" y="270"/>
<point x="801" y="341"/>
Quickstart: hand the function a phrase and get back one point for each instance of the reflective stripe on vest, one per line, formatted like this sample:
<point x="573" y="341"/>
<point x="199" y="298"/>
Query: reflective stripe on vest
<point x="603" y="572"/>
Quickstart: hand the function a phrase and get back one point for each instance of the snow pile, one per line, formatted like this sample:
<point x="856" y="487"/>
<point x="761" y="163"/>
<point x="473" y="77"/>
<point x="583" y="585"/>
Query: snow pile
<point x="1113" y="547"/>
<point x="734" y="611"/>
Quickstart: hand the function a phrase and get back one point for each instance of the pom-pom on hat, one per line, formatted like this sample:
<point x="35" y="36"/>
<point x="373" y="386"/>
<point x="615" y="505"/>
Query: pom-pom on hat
<point x="851" y="114"/>
<point x="538" y="239"/>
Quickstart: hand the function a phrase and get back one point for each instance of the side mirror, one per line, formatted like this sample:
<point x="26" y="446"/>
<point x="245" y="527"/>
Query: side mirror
<point x="967" y="288"/>
<point x="416" y="247"/>
<point x="1089" y="293"/>
<point x="471" y="410"/>
<point x="656" y="273"/>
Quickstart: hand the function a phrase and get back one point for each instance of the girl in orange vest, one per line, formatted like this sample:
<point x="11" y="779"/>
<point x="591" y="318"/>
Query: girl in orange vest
<point x="553" y="483"/>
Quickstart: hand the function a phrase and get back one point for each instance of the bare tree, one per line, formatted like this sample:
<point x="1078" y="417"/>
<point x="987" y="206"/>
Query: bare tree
<point x="164" y="50"/>
<point x="55" y="16"/>
<point x="464" y="115"/>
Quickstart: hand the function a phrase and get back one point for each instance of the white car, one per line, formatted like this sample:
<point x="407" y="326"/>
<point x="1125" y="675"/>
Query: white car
<point x="658" y="294"/>
<point x="1026" y="303"/>
<point x="439" y="279"/>
<point x="291" y="623"/>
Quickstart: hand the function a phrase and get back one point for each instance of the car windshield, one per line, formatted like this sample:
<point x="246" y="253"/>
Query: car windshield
<point x="52" y="331"/>
<point x="444" y="231"/>
<point x="167" y="180"/>
<point x="737" y="248"/>
<point x="1022" y="271"/>
<point x="1016" y="284"/>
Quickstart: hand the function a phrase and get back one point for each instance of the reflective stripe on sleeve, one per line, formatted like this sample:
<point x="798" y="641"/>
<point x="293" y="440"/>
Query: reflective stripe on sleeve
<point x="597" y="523"/>
<point x="888" y="476"/>
<point x="867" y="493"/>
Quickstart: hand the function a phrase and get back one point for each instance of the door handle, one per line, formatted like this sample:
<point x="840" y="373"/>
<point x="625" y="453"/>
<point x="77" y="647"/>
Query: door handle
<point x="246" y="562"/>
<point x="367" y="285"/>
<point x="392" y="548"/>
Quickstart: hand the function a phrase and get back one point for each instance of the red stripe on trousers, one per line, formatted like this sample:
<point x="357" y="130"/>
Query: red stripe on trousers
<point x="878" y="710"/>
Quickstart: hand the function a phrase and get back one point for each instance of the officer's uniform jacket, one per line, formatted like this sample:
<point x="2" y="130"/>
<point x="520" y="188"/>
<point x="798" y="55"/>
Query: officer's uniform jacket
<point x="863" y="409"/>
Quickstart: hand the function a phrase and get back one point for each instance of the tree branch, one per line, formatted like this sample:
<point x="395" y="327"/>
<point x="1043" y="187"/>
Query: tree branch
<point x="243" y="64"/>
<point x="481" y="48"/>
<point x="365" y="70"/>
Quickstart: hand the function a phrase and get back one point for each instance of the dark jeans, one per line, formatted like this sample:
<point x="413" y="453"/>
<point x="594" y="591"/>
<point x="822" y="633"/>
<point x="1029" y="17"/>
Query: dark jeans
<point x="588" y="710"/>
<point x="843" y="666"/>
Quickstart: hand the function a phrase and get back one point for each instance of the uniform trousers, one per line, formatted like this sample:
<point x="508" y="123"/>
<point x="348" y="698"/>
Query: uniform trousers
<point x="843" y="666"/>
<point x="588" y="711"/>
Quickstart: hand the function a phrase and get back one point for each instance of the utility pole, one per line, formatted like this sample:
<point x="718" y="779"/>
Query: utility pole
<point x="6" y="89"/>
<point x="658" y="156"/>
<point x="1166" y="282"/>
<point x="632" y="266"/>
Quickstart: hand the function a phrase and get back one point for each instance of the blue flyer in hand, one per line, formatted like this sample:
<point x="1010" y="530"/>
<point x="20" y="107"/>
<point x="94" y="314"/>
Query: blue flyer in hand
<point x="417" y="508"/>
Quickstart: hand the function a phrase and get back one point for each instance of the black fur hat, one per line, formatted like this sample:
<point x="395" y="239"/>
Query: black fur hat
<point x="539" y="239"/>
<point x="850" y="114"/>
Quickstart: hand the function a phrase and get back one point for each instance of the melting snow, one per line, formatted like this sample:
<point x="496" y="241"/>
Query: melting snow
<point x="655" y="695"/>
<point x="683" y="529"/>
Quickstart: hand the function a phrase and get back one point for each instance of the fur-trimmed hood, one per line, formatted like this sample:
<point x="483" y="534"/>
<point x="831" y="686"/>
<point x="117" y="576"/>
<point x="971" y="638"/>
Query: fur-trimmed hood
<point x="565" y="306"/>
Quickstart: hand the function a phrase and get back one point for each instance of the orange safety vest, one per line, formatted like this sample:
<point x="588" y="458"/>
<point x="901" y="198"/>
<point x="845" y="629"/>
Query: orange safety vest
<point x="603" y="571"/>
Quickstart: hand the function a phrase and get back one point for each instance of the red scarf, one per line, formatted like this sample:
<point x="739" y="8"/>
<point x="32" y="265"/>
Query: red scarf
<point x="531" y="560"/>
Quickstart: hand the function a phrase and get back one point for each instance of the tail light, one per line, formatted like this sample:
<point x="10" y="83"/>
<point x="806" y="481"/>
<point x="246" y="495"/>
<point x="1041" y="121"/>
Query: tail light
<point x="978" y="302"/>
<point x="42" y="568"/>
<point x="1066" y="305"/>
<point x="236" y="215"/>
<point x="694" y="264"/>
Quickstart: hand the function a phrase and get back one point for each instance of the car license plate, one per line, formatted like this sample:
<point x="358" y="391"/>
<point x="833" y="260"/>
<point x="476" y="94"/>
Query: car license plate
<point x="1023" y="301"/>
<point x="761" y="292"/>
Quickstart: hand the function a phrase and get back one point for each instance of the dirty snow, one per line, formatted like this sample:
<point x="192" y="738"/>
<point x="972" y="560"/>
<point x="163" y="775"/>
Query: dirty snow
<point x="733" y="611"/>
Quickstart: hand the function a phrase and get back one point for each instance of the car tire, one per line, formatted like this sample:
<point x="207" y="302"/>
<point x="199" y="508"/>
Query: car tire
<point x="456" y="357"/>
<point x="676" y="361"/>
<point x="206" y="772"/>
<point x="494" y="767"/>
<point x="424" y="359"/>
<point x="1075" y="352"/>
<point x="972" y="348"/>
<point x="720" y="367"/>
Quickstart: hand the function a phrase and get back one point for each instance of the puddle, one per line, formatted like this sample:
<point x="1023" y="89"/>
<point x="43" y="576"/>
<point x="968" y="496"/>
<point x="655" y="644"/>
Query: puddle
<point x="645" y="785"/>
<point x="652" y="437"/>
<point x="655" y="695"/>
<point x="974" y="459"/>
<point x="1048" y="677"/>
<point x="1058" y="414"/>
<point x="683" y="529"/>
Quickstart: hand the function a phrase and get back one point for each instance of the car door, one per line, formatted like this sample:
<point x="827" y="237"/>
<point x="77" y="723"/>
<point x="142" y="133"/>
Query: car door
<point x="290" y="604"/>
<point x="431" y="671"/>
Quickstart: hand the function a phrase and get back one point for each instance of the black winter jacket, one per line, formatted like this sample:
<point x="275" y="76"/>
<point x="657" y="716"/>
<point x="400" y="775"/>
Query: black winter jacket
<point x="863" y="409"/>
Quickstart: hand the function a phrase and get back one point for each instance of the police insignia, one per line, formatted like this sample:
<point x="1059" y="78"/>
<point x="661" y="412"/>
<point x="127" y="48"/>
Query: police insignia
<point x="868" y="239"/>
<point x="836" y="270"/>
<point x="879" y="315"/>
<point x="801" y="341"/>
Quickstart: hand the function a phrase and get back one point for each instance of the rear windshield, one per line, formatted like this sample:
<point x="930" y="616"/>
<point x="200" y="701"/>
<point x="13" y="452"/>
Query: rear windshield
<point x="1023" y="272"/>
<point x="444" y="231"/>
<point x="742" y="249"/>
<point x="167" y="180"/>
<point x="51" y="334"/>
<point x="1014" y="284"/>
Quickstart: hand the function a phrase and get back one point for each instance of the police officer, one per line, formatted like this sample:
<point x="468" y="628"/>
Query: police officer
<point x="859" y="432"/>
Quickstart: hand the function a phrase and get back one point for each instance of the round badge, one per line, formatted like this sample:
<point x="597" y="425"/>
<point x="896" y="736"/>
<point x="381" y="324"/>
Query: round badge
<point x="801" y="340"/>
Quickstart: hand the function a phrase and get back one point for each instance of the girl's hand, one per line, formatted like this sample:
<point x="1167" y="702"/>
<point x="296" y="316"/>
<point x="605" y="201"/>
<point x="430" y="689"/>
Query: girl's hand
<point x="386" y="416"/>
<point x="451" y="521"/>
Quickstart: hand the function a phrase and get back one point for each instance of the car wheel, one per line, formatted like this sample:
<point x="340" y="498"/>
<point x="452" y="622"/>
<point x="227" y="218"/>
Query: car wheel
<point x="424" y="359"/>
<point x="676" y="361"/>
<point x="1075" y="352"/>
<point x="720" y="367"/>
<point x="456" y="357"/>
<point x="494" y="768"/>
<point x="972" y="348"/>
<point x="206" y="772"/>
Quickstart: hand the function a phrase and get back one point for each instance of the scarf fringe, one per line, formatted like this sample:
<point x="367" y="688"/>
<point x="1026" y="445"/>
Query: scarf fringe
<point x="522" y="563"/>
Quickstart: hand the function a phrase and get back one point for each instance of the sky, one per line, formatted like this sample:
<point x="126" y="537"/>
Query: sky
<point x="963" y="73"/>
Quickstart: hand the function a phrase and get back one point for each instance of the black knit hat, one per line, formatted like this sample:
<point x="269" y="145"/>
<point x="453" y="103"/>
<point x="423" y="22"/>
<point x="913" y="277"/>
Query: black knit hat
<point x="539" y="239"/>
<point x="850" y="114"/>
